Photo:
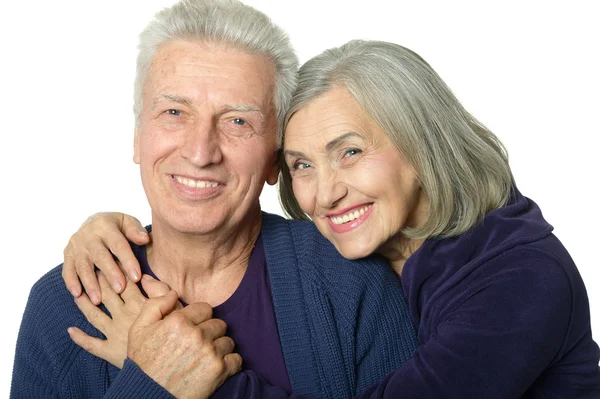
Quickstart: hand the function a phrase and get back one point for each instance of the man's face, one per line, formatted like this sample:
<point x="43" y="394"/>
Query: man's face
<point x="206" y="141"/>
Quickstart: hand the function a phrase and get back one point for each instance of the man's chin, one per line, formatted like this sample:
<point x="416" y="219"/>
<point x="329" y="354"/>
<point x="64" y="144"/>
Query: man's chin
<point x="186" y="224"/>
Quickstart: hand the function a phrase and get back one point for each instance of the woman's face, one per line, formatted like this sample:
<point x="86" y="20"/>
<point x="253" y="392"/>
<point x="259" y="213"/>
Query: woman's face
<point x="349" y="177"/>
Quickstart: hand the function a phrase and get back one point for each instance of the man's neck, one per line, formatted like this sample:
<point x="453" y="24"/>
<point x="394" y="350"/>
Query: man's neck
<point x="206" y="268"/>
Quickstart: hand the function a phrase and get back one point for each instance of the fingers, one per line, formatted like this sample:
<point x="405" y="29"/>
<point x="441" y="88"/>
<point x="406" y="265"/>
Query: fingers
<point x="201" y="312"/>
<point x="87" y="275"/>
<point x="154" y="287"/>
<point x="70" y="276"/>
<point x="95" y="346"/>
<point x="89" y="344"/>
<point x="110" y="241"/>
<point x="80" y="256"/>
<point x="92" y="313"/>
<point x="94" y="244"/>
<point x="132" y="295"/>
<point x="118" y="245"/>
<point x="110" y="299"/>
<point x="133" y="230"/>
<point x="233" y="364"/>
<point x="223" y="346"/>
<point x="155" y="309"/>
<point x="212" y="329"/>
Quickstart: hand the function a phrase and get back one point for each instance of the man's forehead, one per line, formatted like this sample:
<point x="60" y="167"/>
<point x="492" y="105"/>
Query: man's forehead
<point x="189" y="73"/>
<point x="199" y="59"/>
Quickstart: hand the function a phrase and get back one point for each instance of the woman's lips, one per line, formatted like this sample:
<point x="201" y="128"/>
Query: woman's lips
<point x="351" y="219"/>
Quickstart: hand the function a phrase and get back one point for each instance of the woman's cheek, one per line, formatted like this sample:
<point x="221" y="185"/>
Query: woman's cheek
<point x="304" y="195"/>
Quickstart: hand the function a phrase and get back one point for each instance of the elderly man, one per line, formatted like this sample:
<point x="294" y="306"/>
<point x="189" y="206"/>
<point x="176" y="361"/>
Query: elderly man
<point x="213" y="81"/>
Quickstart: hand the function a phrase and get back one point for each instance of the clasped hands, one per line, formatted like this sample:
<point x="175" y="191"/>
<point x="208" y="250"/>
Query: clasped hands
<point x="184" y="350"/>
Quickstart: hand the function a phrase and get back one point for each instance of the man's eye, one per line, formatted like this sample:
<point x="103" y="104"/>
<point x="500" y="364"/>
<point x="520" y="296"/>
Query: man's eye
<point x="351" y="152"/>
<point x="239" y="121"/>
<point x="174" y="112"/>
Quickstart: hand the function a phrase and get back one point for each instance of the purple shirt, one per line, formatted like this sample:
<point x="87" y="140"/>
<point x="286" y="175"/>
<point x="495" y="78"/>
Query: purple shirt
<point x="250" y="319"/>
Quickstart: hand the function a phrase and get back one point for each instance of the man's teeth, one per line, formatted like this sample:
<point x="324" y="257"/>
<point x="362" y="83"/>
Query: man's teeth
<point x="195" y="183"/>
<point x="350" y="216"/>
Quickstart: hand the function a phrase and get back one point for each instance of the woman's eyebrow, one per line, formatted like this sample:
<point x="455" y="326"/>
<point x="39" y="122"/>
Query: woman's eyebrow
<point x="297" y="154"/>
<point x="338" y="140"/>
<point x="331" y="145"/>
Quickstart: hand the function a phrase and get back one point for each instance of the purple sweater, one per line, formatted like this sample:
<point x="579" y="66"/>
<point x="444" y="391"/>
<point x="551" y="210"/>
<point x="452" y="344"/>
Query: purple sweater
<point x="250" y="317"/>
<point x="501" y="312"/>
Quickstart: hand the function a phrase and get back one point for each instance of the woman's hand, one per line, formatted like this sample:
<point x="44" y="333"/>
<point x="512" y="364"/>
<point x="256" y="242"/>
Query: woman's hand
<point x="99" y="238"/>
<point x="124" y="310"/>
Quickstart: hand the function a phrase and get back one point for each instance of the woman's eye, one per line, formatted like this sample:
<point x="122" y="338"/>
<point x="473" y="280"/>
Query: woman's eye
<point x="174" y="112"/>
<point x="301" y="166"/>
<point x="239" y="121"/>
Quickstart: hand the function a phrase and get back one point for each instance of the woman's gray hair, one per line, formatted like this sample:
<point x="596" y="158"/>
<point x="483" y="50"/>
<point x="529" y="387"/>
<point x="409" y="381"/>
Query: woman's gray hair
<point x="462" y="166"/>
<point x="222" y="21"/>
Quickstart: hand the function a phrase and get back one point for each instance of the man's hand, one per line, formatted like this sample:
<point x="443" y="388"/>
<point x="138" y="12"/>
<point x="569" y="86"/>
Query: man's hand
<point x="99" y="238"/>
<point x="123" y="309"/>
<point x="185" y="351"/>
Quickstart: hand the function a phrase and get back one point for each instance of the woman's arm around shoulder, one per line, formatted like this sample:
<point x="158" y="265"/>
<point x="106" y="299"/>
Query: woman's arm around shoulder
<point x="520" y="329"/>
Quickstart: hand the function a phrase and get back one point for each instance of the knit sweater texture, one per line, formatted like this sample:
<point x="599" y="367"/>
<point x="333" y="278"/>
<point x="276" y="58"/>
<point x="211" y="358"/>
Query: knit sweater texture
<point x="501" y="313"/>
<point x="342" y="324"/>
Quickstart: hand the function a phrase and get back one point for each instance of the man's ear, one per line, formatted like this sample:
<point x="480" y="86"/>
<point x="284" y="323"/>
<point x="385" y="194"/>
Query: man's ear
<point x="136" y="146"/>
<point x="274" y="171"/>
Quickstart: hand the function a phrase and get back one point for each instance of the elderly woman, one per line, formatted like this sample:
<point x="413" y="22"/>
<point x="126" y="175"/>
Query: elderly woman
<point x="384" y="159"/>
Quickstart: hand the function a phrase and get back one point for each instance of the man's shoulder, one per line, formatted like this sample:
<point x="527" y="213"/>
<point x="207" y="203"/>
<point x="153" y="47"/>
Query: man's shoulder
<point x="50" y="289"/>
<point x="307" y="241"/>
<point x="50" y="306"/>
<point x="50" y="310"/>
<point x="316" y="257"/>
<point x="45" y="349"/>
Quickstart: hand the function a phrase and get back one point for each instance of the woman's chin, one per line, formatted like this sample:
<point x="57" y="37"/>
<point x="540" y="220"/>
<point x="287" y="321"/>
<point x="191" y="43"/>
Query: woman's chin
<point x="352" y="252"/>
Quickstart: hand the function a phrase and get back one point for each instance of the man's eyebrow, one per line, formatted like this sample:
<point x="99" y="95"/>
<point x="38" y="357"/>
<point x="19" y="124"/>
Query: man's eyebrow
<point x="243" y="108"/>
<point x="338" y="140"/>
<point x="171" y="97"/>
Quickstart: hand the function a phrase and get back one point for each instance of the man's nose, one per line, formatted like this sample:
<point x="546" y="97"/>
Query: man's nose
<point x="330" y="189"/>
<point x="201" y="144"/>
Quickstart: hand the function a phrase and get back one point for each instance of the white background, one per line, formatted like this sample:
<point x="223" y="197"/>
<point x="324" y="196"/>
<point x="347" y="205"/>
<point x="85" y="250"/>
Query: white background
<point x="528" y="70"/>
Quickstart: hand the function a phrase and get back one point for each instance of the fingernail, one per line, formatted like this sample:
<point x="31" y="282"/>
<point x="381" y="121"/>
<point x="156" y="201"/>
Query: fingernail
<point x="134" y="275"/>
<point x="117" y="286"/>
<point x="143" y="233"/>
<point x="147" y="277"/>
<point x="70" y="330"/>
<point x="95" y="297"/>
<point x="74" y="292"/>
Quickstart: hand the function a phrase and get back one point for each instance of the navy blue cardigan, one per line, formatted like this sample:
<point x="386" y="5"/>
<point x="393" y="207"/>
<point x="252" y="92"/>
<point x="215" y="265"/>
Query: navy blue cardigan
<point x="343" y="326"/>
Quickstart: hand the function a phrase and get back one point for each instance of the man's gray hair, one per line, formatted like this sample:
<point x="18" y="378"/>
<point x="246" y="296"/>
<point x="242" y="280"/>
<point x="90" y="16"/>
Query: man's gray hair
<point x="462" y="166"/>
<point x="222" y="21"/>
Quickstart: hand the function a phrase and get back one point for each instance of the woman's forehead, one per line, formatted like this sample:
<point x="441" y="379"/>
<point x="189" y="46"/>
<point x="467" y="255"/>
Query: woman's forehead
<point x="327" y="118"/>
